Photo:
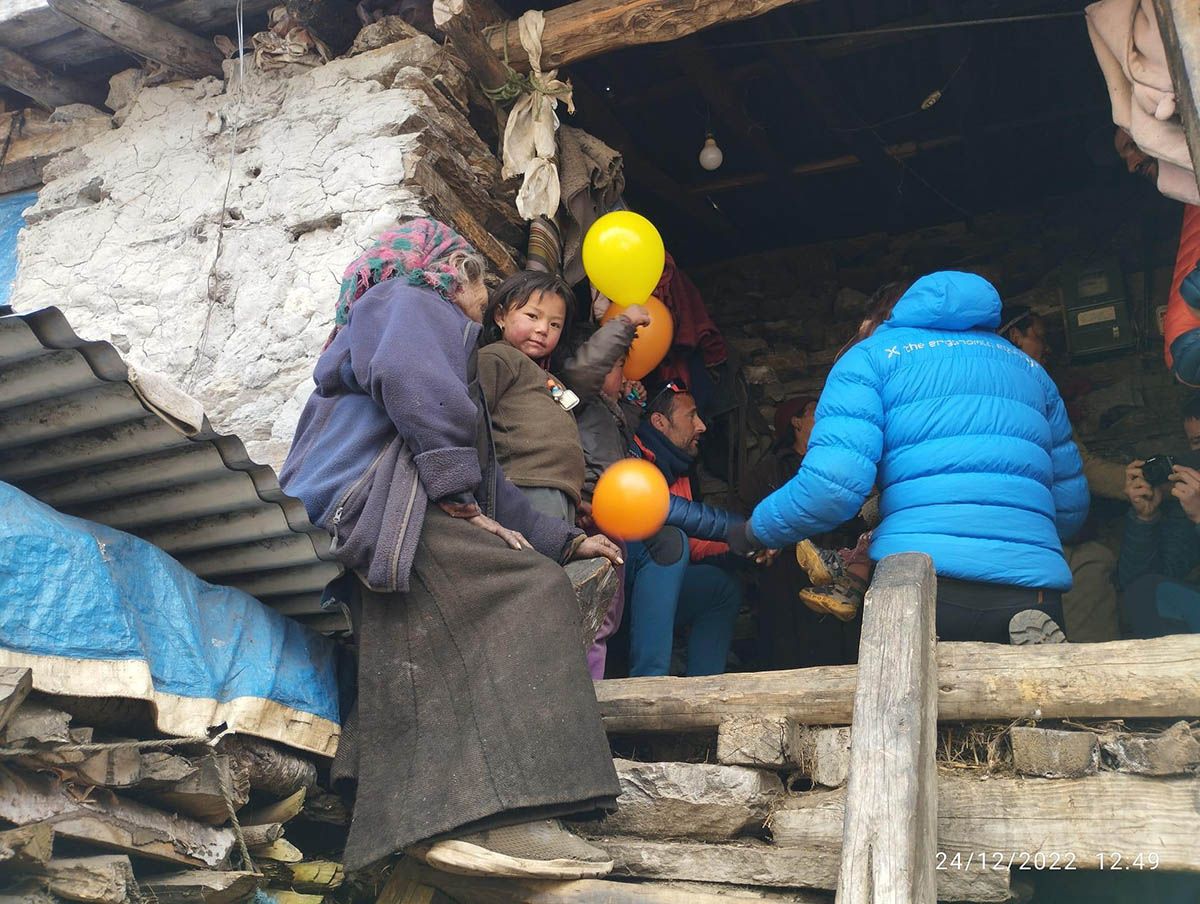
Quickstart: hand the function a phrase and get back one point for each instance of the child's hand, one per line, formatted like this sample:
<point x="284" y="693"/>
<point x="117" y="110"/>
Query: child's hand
<point x="634" y="391"/>
<point x="636" y="314"/>
<point x="597" y="546"/>
<point x="583" y="515"/>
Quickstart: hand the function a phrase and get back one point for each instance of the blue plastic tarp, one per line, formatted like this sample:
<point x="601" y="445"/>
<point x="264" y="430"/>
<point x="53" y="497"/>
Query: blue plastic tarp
<point x="98" y="612"/>
<point x="11" y="222"/>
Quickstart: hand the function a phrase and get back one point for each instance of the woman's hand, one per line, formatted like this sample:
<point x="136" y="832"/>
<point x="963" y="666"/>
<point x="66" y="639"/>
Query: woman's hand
<point x="513" y="538"/>
<point x="599" y="546"/>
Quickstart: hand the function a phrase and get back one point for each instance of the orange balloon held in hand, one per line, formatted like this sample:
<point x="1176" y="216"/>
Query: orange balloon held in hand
<point x="652" y="342"/>
<point x="631" y="499"/>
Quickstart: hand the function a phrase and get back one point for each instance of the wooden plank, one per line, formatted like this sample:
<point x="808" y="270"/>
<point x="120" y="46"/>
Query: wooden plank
<point x="15" y="684"/>
<point x="889" y="836"/>
<point x="588" y="28"/>
<point x="1157" y="678"/>
<point x="758" y="863"/>
<point x="1108" y="816"/>
<point x="202" y="794"/>
<point x="26" y="848"/>
<point x="279" y="812"/>
<point x="700" y="801"/>
<point x="36" y="142"/>
<point x="447" y="206"/>
<point x="1179" y="25"/>
<point x="311" y="876"/>
<point x="262" y="835"/>
<point x="603" y="891"/>
<point x="145" y="34"/>
<point x="407" y="885"/>
<point x="41" y="85"/>
<point x="93" y="880"/>
<point x="200" y="887"/>
<point x="463" y="24"/>
<point x="280" y="850"/>
<point x="105" y="819"/>
<point x="774" y="742"/>
<point x="38" y="723"/>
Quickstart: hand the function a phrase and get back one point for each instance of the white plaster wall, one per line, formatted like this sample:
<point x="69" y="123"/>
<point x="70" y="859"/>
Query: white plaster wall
<point x="126" y="235"/>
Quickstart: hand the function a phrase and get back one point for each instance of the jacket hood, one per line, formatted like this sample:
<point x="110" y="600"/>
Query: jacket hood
<point x="948" y="300"/>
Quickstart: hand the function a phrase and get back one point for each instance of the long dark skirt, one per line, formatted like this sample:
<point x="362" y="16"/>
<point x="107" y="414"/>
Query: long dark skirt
<point x="475" y="708"/>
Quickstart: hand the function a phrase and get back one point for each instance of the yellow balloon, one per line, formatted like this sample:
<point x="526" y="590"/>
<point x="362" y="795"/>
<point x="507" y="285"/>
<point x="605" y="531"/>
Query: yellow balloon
<point x="623" y="255"/>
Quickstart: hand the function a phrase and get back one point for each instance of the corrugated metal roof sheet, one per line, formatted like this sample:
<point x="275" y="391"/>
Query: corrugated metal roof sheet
<point x="76" y="435"/>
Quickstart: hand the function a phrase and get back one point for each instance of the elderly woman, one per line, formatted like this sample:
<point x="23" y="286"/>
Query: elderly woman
<point x="476" y="721"/>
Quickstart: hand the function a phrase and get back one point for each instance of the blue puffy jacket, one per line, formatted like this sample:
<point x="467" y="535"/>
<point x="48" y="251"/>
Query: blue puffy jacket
<point x="965" y="435"/>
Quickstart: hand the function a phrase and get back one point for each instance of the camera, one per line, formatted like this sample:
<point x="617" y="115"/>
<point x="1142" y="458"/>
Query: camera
<point x="1157" y="469"/>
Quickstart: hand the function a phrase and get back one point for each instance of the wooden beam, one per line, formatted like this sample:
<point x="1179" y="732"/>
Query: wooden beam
<point x="588" y="28"/>
<point x="808" y="78"/>
<point x="647" y="177"/>
<point x="889" y="839"/>
<point x="144" y="34"/>
<point x="200" y="887"/>
<point x="93" y="880"/>
<point x="15" y="685"/>
<point x="310" y="877"/>
<point x="1123" y="679"/>
<point x="26" y="848"/>
<point x="1081" y="820"/>
<point x="41" y="85"/>
<point x="463" y="24"/>
<point x="697" y="64"/>
<point x="1179" y="25"/>
<point x="756" y="863"/>
<point x="109" y="821"/>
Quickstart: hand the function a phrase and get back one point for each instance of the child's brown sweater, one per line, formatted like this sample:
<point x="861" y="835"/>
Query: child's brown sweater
<point x="537" y="442"/>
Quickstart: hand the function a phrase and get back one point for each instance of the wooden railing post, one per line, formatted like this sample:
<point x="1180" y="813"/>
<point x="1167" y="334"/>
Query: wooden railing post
<point x="889" y="836"/>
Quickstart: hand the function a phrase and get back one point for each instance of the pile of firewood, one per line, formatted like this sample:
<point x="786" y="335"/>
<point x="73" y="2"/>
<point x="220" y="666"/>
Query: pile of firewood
<point x="104" y="810"/>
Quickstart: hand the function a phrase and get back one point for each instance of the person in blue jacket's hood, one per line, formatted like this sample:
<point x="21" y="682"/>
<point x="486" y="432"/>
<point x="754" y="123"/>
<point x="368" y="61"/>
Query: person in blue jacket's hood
<point x="969" y="442"/>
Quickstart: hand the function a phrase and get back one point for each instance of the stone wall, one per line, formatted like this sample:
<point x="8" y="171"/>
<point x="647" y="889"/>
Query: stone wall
<point x="206" y="233"/>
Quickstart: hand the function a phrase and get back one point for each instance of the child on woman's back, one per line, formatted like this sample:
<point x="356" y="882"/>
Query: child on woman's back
<point x="537" y="442"/>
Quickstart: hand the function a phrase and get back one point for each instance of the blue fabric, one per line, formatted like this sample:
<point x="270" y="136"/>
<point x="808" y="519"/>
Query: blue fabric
<point x="82" y="591"/>
<point x="698" y="520"/>
<point x="1185" y="352"/>
<point x="11" y="220"/>
<point x="965" y="435"/>
<point x="661" y="594"/>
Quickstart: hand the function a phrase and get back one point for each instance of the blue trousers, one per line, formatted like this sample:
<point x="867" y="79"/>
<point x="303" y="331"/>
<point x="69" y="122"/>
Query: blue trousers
<point x="1154" y="606"/>
<point x="664" y="589"/>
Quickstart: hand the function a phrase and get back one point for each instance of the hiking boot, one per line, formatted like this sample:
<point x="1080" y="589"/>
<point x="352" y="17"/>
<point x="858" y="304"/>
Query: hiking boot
<point x="1032" y="626"/>
<point x="841" y="599"/>
<point x="533" y="850"/>
<point x="823" y="566"/>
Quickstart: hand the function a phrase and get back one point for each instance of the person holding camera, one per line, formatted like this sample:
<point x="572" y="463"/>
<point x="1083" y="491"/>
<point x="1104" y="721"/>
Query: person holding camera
<point x="1161" y="545"/>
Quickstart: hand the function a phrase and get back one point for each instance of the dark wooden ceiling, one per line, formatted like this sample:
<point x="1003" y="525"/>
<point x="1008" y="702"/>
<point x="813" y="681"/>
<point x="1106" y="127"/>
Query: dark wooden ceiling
<point x="806" y="125"/>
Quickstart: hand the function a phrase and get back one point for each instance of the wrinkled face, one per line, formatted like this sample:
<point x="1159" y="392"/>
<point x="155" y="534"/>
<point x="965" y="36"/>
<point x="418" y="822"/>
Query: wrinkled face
<point x="1191" y="427"/>
<point x="1033" y="341"/>
<point x="536" y="326"/>
<point x="1136" y="161"/>
<point x="472" y="298"/>
<point x="802" y="426"/>
<point x="612" y="381"/>
<point x="683" y="427"/>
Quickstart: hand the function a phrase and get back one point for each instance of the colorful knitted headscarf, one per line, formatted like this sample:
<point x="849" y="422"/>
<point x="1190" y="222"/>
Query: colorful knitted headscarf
<point x="418" y="252"/>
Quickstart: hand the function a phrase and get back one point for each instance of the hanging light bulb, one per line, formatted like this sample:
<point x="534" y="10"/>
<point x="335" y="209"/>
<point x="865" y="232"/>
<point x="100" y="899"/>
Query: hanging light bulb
<point x="711" y="155"/>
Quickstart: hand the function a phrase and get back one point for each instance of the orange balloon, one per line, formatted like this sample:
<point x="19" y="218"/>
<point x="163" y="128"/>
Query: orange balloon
<point x="631" y="499"/>
<point x="652" y="342"/>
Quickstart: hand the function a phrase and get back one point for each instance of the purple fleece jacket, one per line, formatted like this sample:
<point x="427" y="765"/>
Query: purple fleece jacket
<point x="401" y="365"/>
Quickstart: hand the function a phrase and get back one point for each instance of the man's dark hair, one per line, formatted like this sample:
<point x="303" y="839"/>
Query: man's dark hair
<point x="514" y="293"/>
<point x="662" y="399"/>
<point x="1191" y="411"/>
<point x="1016" y="316"/>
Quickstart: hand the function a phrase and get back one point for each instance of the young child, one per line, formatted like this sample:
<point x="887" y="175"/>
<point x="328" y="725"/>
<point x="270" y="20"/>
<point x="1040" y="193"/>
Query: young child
<point x="537" y="441"/>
